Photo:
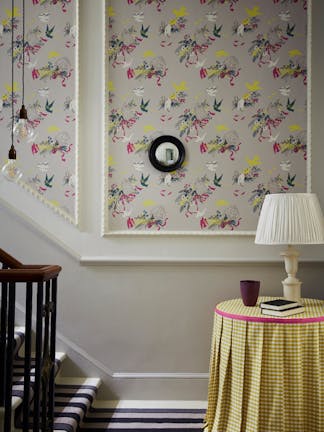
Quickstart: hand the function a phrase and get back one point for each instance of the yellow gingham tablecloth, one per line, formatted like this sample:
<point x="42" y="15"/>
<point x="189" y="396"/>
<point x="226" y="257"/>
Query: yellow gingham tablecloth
<point x="266" y="373"/>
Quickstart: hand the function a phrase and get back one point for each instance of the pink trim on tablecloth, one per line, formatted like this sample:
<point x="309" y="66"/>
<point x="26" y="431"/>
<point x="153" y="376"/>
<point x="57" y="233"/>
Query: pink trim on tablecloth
<point x="269" y="319"/>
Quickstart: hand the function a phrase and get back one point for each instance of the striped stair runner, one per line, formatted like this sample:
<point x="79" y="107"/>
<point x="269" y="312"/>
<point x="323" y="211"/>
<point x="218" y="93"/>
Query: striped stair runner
<point x="75" y="412"/>
<point x="73" y="398"/>
<point x="140" y="419"/>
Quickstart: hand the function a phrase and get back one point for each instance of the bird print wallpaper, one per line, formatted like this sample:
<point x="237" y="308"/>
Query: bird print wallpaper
<point x="226" y="77"/>
<point x="47" y="156"/>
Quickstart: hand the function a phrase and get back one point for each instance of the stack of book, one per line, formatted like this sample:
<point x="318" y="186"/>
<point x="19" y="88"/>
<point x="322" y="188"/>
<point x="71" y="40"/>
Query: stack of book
<point x="281" y="307"/>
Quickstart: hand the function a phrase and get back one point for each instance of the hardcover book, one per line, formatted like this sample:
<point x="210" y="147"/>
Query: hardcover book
<point x="283" y="313"/>
<point x="279" y="304"/>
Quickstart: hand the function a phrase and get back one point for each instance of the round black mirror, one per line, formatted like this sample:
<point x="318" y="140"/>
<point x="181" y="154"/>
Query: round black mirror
<point x="167" y="153"/>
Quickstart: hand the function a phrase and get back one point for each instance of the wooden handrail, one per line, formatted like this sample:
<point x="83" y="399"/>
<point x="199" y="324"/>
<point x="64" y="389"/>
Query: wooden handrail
<point x="18" y="272"/>
<point x="9" y="260"/>
<point x="30" y="274"/>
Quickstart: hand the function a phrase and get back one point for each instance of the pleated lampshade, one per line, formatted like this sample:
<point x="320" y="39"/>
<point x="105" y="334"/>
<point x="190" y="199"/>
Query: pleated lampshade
<point x="290" y="219"/>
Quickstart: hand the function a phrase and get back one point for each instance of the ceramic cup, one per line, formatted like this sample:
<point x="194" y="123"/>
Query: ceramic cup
<point x="249" y="291"/>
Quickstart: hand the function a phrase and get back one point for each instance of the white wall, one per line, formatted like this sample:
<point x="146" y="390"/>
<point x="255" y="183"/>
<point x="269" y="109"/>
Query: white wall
<point x="145" y="326"/>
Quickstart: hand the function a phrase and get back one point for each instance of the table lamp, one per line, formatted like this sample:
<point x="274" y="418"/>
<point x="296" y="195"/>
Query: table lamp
<point x="290" y="219"/>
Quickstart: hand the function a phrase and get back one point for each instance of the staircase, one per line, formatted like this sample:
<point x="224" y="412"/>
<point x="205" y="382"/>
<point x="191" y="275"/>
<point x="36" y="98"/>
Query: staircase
<point x="32" y="394"/>
<point x="72" y="396"/>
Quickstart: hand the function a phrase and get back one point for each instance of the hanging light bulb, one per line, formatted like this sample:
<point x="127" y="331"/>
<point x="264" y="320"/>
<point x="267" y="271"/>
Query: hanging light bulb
<point x="22" y="129"/>
<point x="10" y="170"/>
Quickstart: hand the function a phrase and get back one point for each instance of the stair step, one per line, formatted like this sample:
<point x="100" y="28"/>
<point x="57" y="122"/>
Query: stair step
<point x="18" y="383"/>
<point x="122" y="416"/>
<point x="73" y="398"/>
<point x="19" y="339"/>
<point x="19" y="364"/>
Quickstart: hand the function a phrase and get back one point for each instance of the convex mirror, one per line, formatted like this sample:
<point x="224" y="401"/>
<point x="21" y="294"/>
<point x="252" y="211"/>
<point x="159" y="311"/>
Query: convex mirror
<point x="167" y="153"/>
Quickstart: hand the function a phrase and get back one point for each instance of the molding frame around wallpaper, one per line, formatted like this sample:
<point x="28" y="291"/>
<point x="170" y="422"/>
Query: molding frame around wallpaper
<point x="105" y="228"/>
<point x="73" y="219"/>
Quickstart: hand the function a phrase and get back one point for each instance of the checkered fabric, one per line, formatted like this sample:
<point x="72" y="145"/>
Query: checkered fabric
<point x="266" y="376"/>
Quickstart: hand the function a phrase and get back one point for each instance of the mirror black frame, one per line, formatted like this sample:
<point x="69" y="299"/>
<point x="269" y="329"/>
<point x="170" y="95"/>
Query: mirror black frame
<point x="166" y="139"/>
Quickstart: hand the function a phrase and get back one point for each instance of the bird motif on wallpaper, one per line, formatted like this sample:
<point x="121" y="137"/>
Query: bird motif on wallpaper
<point x="290" y="180"/>
<point x="168" y="179"/>
<point x="138" y="91"/>
<point x="144" y="105"/>
<point x="44" y="17"/>
<point x="212" y="166"/>
<point x="290" y="30"/>
<point x="139" y="166"/>
<point x="49" y="106"/>
<point x="43" y="92"/>
<point x="272" y="64"/>
<point x="167" y="30"/>
<point x="201" y="138"/>
<point x="274" y="138"/>
<point x="126" y="139"/>
<point x="211" y="16"/>
<point x="217" y="180"/>
<point x="139" y="16"/>
<point x="217" y="30"/>
<point x="211" y="91"/>
<point x="49" y="32"/>
<point x="48" y="181"/>
<point x="284" y="91"/>
<point x="285" y="165"/>
<point x="144" y="180"/>
<point x="217" y="105"/>
<point x="167" y="104"/>
<point x="144" y="31"/>
<point x="290" y="105"/>
<point x="241" y="179"/>
<point x="285" y="16"/>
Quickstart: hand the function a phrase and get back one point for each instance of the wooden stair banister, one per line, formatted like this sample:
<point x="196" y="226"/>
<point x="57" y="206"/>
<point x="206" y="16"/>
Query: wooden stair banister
<point x="30" y="274"/>
<point x="44" y="278"/>
<point x="8" y="260"/>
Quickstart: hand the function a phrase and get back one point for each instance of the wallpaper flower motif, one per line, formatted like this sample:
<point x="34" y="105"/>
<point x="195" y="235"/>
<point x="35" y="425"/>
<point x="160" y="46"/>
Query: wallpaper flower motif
<point x="47" y="160"/>
<point x="227" y="77"/>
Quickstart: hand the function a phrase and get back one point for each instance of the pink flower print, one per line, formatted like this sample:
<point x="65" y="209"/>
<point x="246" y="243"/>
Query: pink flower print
<point x="130" y="147"/>
<point x="203" y="73"/>
<point x="130" y="223"/>
<point x="35" y="73"/>
<point x="130" y="1"/>
<point x="276" y="72"/>
<point x="203" y="222"/>
<point x="203" y="147"/>
<point x="34" y="148"/>
<point x="130" y="73"/>
<point x="276" y="147"/>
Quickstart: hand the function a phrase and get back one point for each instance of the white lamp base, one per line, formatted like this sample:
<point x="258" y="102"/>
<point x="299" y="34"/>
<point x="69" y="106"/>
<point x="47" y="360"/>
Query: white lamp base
<point x="291" y="285"/>
<point x="291" y="291"/>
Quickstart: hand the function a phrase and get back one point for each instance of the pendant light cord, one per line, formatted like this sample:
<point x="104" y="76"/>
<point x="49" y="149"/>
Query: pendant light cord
<point x="23" y="56"/>
<point x="12" y="73"/>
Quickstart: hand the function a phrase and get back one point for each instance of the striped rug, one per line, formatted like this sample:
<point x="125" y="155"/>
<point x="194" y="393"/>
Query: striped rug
<point x="141" y="419"/>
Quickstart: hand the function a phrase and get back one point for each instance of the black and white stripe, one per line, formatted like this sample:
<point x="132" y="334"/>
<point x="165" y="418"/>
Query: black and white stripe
<point x="141" y="419"/>
<point x="74" y="411"/>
